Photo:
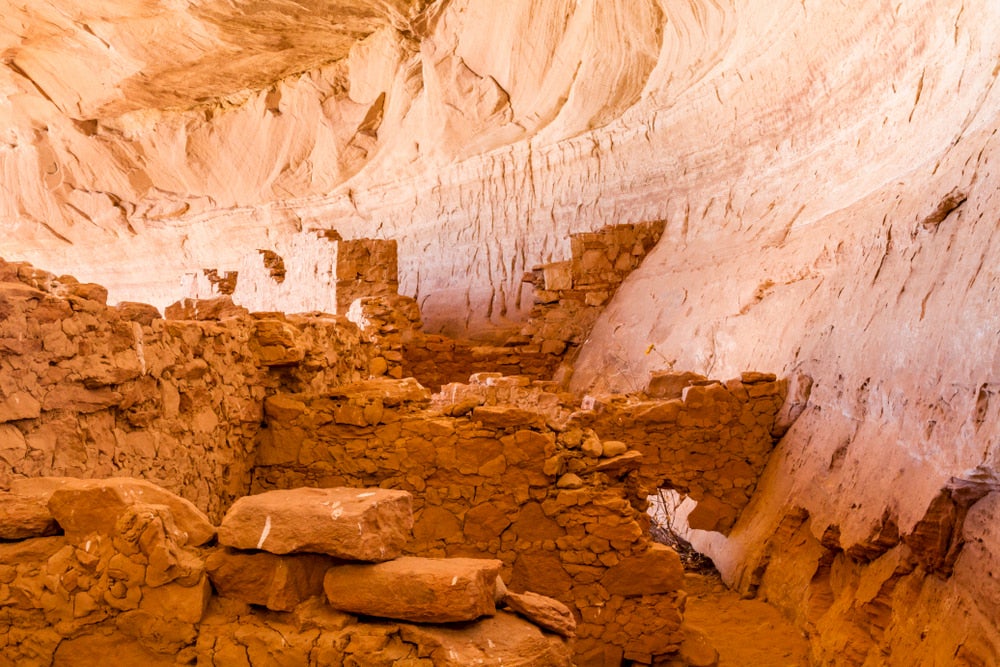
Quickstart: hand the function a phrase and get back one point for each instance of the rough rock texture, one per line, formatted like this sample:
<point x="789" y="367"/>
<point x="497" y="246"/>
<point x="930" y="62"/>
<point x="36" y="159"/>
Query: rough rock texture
<point x="279" y="583"/>
<point x="490" y="481"/>
<point x="82" y="507"/>
<point x="131" y="590"/>
<point x="826" y="174"/>
<point x="423" y="590"/>
<point x="496" y="641"/>
<point x="92" y="390"/>
<point x="543" y="611"/>
<point x="352" y="524"/>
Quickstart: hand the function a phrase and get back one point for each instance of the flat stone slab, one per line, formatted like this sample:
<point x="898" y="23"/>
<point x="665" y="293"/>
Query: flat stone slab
<point x="279" y="583"/>
<point x="84" y="506"/>
<point x="371" y="525"/>
<point x="658" y="570"/>
<point x="545" y="612"/>
<point x="424" y="590"/>
<point x="498" y="641"/>
<point x="25" y="516"/>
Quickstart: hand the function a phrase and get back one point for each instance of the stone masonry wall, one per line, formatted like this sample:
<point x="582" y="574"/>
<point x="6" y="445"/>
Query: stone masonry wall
<point x="315" y="271"/>
<point x="120" y="569"/>
<point x="89" y="390"/>
<point x="568" y="298"/>
<point x="703" y="438"/>
<point x="563" y="508"/>
<point x="710" y="440"/>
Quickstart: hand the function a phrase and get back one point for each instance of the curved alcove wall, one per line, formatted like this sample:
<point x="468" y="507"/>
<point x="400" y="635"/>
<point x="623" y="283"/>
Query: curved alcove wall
<point x="826" y="172"/>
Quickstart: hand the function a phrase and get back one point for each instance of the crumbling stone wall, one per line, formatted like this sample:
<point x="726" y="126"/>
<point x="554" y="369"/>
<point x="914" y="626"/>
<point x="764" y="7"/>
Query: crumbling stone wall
<point x="316" y="271"/>
<point x="439" y="360"/>
<point x="563" y="508"/>
<point x="90" y="390"/>
<point x="570" y="295"/>
<point x="121" y="569"/>
<point x="703" y="438"/>
<point x="222" y="401"/>
<point x="568" y="298"/>
<point x="708" y="440"/>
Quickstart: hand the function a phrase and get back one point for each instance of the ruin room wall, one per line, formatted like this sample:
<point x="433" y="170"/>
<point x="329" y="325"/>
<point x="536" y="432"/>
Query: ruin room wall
<point x="90" y="390"/>
<point x="827" y="177"/>
<point x="561" y="506"/>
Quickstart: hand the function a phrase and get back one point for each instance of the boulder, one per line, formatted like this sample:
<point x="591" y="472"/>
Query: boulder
<point x="425" y="590"/>
<point x="495" y="641"/>
<point x="391" y="392"/>
<point x="24" y="516"/>
<point x="670" y="384"/>
<point x="495" y="416"/>
<point x="19" y="405"/>
<point x="545" y="612"/>
<point x="84" y="506"/>
<point x="657" y="570"/>
<point x="276" y="582"/>
<point x="696" y="650"/>
<point x="352" y="524"/>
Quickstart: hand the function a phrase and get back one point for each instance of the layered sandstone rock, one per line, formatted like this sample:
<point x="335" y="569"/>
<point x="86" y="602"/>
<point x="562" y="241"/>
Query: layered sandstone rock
<point x="824" y="172"/>
<point x="423" y="590"/>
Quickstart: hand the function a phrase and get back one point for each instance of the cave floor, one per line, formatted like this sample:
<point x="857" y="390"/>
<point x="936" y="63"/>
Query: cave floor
<point x="746" y="633"/>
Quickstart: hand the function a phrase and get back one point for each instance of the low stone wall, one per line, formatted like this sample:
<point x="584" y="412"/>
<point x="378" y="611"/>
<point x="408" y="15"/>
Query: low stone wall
<point x="563" y="508"/>
<point x="90" y="390"/>
<point x="224" y="401"/>
<point x="710" y="441"/>
<point x="568" y="298"/>
<point x="122" y="570"/>
<point x="438" y="360"/>
<point x="570" y="295"/>
<point x="703" y="438"/>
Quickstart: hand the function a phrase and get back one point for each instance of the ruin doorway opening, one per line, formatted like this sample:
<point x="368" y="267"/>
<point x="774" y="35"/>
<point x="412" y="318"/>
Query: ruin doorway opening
<point x="668" y="511"/>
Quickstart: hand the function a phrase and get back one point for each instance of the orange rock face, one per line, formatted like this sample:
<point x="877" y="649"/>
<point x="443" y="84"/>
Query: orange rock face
<point x="823" y="183"/>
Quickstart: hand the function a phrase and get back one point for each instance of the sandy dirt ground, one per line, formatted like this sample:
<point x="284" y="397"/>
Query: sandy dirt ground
<point x="746" y="633"/>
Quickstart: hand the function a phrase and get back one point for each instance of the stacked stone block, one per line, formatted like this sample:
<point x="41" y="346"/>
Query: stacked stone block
<point x="389" y="323"/>
<point x="131" y="577"/>
<point x="92" y="390"/>
<point x="568" y="298"/>
<point x="562" y="507"/>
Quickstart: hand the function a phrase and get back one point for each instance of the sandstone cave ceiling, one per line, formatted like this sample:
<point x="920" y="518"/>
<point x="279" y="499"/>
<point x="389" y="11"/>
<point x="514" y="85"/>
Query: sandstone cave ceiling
<point x="194" y="132"/>
<point x="825" y="173"/>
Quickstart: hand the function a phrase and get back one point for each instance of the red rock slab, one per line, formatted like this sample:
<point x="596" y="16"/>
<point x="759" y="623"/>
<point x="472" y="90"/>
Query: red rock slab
<point x="658" y="570"/>
<point x="503" y="640"/>
<point x="352" y="524"/>
<point x="545" y="612"/>
<point x="279" y="583"/>
<point x="84" y="506"/>
<point x="24" y="516"/>
<point x="424" y="590"/>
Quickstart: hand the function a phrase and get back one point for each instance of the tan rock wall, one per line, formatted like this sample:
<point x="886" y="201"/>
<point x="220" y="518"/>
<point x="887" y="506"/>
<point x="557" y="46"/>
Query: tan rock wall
<point x="90" y="390"/>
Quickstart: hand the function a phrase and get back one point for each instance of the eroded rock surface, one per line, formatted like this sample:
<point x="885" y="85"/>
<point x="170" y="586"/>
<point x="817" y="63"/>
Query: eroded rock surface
<point x="825" y="176"/>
